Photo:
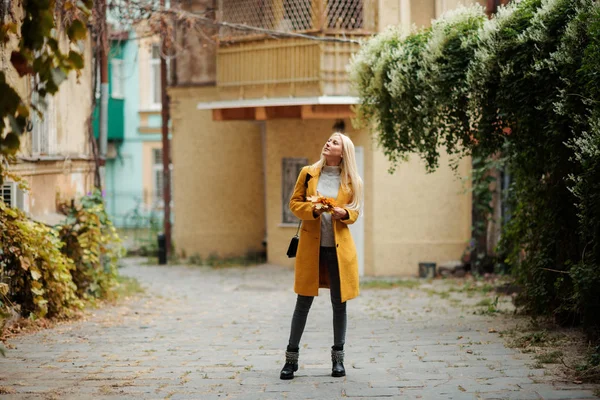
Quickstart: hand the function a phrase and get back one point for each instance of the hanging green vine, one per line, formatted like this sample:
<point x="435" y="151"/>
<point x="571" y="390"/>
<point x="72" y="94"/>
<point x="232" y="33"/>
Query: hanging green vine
<point x="523" y="85"/>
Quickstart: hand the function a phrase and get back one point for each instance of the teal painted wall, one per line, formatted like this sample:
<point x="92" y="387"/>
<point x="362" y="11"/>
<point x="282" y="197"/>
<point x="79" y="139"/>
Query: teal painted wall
<point x="124" y="175"/>
<point x="125" y="193"/>
<point x="116" y="114"/>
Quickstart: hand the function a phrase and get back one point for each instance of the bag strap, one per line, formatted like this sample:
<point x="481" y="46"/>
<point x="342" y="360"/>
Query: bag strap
<point x="308" y="176"/>
<point x="298" y="229"/>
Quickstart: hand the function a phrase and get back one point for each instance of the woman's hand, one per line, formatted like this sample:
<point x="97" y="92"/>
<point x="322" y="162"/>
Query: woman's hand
<point x="317" y="212"/>
<point x="339" y="213"/>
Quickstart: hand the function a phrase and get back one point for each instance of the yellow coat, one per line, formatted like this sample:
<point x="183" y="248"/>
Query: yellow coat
<point x="309" y="275"/>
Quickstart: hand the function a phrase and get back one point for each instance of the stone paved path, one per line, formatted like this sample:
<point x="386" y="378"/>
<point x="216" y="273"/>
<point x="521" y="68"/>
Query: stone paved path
<point x="201" y="333"/>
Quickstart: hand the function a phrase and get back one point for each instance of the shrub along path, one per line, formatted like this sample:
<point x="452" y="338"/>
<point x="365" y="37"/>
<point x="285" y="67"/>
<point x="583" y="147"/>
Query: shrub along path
<point x="202" y="333"/>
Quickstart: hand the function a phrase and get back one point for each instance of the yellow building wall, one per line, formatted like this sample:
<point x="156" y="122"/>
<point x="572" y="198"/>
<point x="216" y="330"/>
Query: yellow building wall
<point x="409" y="217"/>
<point x="218" y="180"/>
<point x="419" y="13"/>
<point x="418" y="216"/>
<point x="296" y="139"/>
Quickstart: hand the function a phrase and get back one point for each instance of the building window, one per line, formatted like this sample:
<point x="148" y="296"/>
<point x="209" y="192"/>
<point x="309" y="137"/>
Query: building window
<point x="13" y="196"/>
<point x="43" y="132"/>
<point x="290" y="168"/>
<point x="157" y="182"/>
<point x="155" y="72"/>
<point x="156" y="98"/>
<point x="117" y="82"/>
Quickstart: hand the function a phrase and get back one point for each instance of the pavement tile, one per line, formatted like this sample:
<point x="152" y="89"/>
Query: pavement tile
<point x="203" y="333"/>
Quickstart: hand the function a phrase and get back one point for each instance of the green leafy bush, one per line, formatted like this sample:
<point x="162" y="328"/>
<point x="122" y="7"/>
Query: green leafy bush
<point x="522" y="88"/>
<point x="47" y="272"/>
<point x="36" y="274"/>
<point x="91" y="241"/>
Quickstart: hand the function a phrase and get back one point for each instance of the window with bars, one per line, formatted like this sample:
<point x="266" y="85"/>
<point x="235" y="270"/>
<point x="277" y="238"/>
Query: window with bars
<point x="290" y="168"/>
<point x="7" y="194"/>
<point x="13" y="196"/>
<point x="157" y="173"/>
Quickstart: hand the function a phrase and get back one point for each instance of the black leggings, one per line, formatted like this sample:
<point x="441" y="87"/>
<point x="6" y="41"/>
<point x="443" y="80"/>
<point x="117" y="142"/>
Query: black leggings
<point x="329" y="258"/>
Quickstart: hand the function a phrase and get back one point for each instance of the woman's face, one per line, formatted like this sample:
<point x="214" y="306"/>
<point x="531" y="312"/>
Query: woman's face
<point x="333" y="147"/>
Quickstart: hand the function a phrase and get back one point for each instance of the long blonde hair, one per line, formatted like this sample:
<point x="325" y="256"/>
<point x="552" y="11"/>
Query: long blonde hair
<point x="350" y="179"/>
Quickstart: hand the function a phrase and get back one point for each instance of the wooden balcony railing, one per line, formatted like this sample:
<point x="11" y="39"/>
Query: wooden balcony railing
<point x="283" y="68"/>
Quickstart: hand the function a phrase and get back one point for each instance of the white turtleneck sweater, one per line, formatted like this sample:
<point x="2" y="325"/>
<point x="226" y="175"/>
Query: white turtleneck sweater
<point x="328" y="186"/>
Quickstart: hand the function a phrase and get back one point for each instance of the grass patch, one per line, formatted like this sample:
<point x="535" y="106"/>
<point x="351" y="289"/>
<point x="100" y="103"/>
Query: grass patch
<point x="127" y="287"/>
<point x="538" y="338"/>
<point x="489" y="306"/>
<point x="443" y="295"/>
<point x="484" y="303"/>
<point x="552" y="357"/>
<point x="383" y="284"/>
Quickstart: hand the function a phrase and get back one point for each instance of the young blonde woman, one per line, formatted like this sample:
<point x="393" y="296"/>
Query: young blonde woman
<point x="326" y="256"/>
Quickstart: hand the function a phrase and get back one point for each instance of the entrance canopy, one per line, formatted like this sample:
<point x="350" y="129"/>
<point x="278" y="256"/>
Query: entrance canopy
<point x="322" y="107"/>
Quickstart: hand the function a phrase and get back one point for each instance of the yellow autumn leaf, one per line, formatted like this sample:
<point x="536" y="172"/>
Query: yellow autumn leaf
<point x="35" y="274"/>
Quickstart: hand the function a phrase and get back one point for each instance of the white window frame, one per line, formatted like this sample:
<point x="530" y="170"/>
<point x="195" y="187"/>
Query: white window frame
<point x="18" y="198"/>
<point x="155" y="77"/>
<point x="43" y="133"/>
<point x="117" y="81"/>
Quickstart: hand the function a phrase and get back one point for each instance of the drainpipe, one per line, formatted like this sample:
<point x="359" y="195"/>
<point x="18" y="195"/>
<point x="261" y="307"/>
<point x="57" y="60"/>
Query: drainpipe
<point x="263" y="140"/>
<point x="103" y="136"/>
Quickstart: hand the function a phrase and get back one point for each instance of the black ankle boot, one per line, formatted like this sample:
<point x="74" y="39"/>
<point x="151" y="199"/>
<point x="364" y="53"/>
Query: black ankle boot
<point x="337" y="361"/>
<point x="291" y="365"/>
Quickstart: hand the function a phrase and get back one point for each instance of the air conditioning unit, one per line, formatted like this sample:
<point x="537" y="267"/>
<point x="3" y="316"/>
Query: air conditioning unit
<point x="14" y="197"/>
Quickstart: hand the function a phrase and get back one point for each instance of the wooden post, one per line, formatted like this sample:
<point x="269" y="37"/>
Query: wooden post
<point x="491" y="7"/>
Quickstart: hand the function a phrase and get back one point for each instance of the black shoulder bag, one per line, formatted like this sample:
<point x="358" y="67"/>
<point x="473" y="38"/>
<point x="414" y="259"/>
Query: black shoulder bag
<point x="293" y="247"/>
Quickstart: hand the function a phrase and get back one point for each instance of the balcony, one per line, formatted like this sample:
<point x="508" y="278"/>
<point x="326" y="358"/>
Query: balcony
<point x="251" y="65"/>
